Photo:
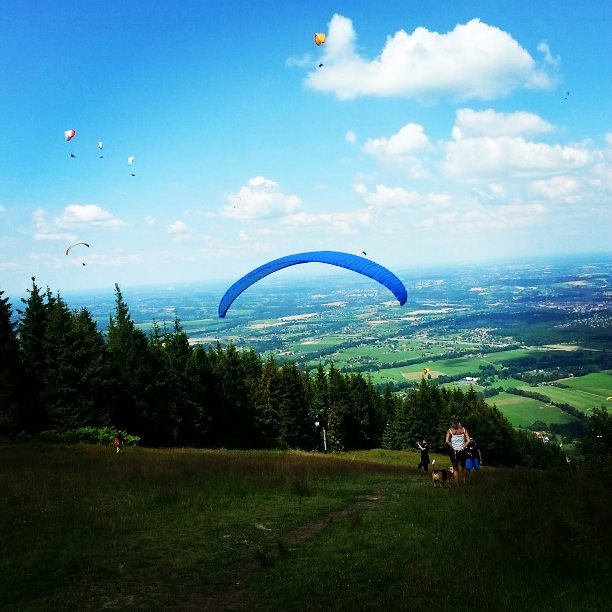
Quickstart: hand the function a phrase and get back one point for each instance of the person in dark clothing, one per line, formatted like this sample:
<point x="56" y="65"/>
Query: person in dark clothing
<point x="473" y="456"/>
<point x="119" y="441"/>
<point x="424" y="448"/>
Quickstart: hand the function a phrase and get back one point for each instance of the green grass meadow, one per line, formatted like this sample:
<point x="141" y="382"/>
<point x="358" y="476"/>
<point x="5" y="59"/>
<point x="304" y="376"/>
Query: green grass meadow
<point x="597" y="383"/>
<point x="86" y="529"/>
<point x="523" y="411"/>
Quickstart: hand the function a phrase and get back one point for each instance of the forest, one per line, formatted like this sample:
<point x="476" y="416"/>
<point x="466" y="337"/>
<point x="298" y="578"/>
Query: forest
<point x="59" y="373"/>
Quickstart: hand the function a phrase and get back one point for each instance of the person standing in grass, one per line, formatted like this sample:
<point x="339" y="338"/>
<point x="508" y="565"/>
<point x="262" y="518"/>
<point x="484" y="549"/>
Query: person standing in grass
<point x="424" y="448"/>
<point x="119" y="441"/>
<point x="457" y="439"/>
<point x="473" y="456"/>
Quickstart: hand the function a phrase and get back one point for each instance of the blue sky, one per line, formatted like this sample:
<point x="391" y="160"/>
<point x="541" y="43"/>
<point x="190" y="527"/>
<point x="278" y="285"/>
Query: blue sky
<point x="434" y="133"/>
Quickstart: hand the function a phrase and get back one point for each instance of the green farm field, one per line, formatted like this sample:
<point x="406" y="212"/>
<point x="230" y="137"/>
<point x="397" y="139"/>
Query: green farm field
<point x="523" y="411"/>
<point x="581" y="400"/>
<point x="598" y="384"/>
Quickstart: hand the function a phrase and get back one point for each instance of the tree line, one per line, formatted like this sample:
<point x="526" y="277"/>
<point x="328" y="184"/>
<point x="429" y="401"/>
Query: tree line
<point x="59" y="372"/>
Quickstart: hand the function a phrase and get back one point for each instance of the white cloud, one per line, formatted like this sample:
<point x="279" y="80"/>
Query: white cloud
<point x="410" y="138"/>
<point x="558" y="188"/>
<point x="473" y="61"/>
<point x="178" y="227"/>
<point x="400" y="149"/>
<point x="44" y="230"/>
<point x="114" y="260"/>
<point x="350" y="137"/>
<point x="299" y="61"/>
<point x="78" y="215"/>
<point x="398" y="197"/>
<point x="501" y="217"/>
<point x="339" y="222"/>
<point x="511" y="157"/>
<point x="549" y="58"/>
<point x="2" y="209"/>
<point x="261" y="198"/>
<point x="470" y="123"/>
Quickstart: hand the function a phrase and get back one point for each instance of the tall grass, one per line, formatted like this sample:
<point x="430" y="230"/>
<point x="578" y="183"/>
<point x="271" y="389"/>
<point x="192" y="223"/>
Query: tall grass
<point x="86" y="529"/>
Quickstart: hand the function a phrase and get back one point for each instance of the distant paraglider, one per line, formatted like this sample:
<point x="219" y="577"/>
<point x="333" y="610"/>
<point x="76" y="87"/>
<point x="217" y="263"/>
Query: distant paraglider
<point x="319" y="39"/>
<point x="566" y="94"/>
<point x="100" y="146"/>
<point x="344" y="260"/>
<point x="69" y="135"/>
<point x="75" y="244"/>
<point x="131" y="160"/>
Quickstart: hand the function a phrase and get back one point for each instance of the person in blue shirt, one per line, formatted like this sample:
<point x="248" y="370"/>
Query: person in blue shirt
<point x="473" y="456"/>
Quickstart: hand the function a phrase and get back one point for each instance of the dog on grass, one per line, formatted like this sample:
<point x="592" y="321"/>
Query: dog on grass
<point x="440" y="477"/>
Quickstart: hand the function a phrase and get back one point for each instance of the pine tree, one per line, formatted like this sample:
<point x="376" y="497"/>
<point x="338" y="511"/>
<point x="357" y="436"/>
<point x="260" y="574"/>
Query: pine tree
<point x="266" y="404"/>
<point x="297" y="428"/>
<point x="200" y="371"/>
<point x="339" y="405"/>
<point x="133" y="382"/>
<point x="11" y="374"/>
<point x="183" y="409"/>
<point x="233" y="417"/>
<point x="32" y="328"/>
<point x="89" y="359"/>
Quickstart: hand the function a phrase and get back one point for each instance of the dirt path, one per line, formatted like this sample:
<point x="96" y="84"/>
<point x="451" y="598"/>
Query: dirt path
<point x="229" y="597"/>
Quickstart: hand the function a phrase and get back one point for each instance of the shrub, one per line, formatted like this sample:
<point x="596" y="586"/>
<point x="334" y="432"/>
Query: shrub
<point x="85" y="435"/>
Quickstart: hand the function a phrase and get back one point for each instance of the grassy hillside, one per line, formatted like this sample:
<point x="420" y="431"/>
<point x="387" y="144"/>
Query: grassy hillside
<point x="86" y="529"/>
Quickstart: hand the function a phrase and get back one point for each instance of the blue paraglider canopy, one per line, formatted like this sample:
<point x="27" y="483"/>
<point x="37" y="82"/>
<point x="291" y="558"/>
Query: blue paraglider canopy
<point x="367" y="267"/>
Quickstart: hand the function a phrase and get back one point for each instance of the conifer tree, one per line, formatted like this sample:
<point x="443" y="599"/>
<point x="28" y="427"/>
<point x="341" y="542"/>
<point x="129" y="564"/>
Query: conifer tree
<point x="320" y="399"/>
<point x="297" y="428"/>
<point x="11" y="374"/>
<point x="233" y="416"/>
<point x="132" y="380"/>
<point x="338" y="407"/>
<point x="266" y="404"/>
<point x="199" y="372"/>
<point x="32" y="328"/>
<point x="183" y="414"/>
<point x="159" y="427"/>
<point x="88" y="352"/>
<point x="58" y="393"/>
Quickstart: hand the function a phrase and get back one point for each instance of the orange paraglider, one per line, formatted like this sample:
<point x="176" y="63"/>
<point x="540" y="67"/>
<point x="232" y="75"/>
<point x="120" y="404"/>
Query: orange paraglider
<point x="69" y="134"/>
<point x="319" y="38"/>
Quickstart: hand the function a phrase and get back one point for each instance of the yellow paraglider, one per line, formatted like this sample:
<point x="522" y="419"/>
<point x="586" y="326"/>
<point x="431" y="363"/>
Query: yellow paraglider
<point x="425" y="371"/>
<point x="319" y="38"/>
